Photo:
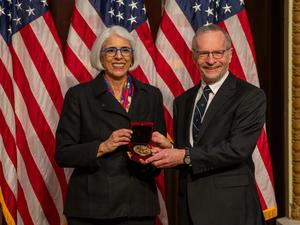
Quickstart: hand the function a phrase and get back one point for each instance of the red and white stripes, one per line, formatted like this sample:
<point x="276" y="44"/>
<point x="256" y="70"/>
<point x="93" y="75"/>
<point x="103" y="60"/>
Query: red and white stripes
<point x="32" y="86"/>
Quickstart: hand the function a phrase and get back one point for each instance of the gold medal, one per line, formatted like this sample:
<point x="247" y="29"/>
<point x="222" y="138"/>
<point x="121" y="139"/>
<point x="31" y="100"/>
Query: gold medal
<point x="142" y="150"/>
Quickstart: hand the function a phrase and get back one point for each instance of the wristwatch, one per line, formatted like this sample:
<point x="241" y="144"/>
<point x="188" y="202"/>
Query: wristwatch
<point x="187" y="158"/>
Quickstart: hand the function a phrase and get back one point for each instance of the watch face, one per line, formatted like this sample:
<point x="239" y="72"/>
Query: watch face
<point x="187" y="160"/>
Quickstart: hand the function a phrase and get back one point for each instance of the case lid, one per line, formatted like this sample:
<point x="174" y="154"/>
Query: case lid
<point x="142" y="132"/>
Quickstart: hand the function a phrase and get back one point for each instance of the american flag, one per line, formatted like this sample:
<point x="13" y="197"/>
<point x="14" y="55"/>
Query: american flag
<point x="32" y="86"/>
<point x="181" y="18"/>
<point x="89" y="19"/>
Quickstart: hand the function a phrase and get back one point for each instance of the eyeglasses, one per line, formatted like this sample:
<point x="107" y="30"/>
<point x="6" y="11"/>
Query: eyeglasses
<point x="218" y="54"/>
<point x="112" y="51"/>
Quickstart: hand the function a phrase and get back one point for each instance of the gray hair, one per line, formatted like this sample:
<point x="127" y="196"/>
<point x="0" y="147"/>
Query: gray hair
<point x="208" y="28"/>
<point x="97" y="46"/>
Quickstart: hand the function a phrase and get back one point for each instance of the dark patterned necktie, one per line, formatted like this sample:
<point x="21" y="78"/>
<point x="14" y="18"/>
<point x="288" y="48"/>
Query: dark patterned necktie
<point x="199" y="111"/>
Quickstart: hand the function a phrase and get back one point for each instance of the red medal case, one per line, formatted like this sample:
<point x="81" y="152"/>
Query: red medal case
<point x="140" y="147"/>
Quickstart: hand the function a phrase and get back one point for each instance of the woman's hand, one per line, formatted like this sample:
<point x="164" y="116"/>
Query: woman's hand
<point x="116" y="139"/>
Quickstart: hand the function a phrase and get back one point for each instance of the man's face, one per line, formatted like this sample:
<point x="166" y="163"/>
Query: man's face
<point x="211" y="55"/>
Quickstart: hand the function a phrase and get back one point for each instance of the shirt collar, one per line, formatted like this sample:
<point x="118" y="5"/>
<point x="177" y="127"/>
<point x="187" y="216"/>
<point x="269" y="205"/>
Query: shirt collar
<point x="215" y="86"/>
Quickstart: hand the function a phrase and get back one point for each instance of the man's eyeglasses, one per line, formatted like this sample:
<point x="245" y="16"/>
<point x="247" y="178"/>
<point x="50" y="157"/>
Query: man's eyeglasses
<point x="218" y="54"/>
<point x="112" y="51"/>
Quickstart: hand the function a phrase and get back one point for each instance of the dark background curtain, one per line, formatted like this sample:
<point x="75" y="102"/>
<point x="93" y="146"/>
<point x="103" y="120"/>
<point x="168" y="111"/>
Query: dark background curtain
<point x="266" y="18"/>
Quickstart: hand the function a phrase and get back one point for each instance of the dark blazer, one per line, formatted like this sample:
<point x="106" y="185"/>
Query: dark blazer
<point x="219" y="188"/>
<point x="110" y="186"/>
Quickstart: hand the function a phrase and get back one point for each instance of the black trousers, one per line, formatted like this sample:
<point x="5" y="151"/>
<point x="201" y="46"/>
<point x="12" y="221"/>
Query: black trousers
<point x="117" y="221"/>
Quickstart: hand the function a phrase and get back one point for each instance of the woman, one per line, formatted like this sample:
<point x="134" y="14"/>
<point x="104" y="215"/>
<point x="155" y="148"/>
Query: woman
<point x="93" y="134"/>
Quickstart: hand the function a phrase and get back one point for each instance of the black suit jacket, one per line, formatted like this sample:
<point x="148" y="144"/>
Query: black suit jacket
<point x="112" y="185"/>
<point x="219" y="188"/>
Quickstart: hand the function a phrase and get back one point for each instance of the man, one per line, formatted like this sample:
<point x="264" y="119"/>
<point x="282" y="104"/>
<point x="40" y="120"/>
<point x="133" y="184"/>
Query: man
<point x="215" y="139"/>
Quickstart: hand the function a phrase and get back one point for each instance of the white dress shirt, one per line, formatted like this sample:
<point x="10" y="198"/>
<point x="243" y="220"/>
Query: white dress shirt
<point x="214" y="89"/>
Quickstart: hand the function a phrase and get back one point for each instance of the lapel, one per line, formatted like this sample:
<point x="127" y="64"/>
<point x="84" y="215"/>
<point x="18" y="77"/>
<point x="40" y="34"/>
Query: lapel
<point x="138" y="97"/>
<point x="105" y="100"/>
<point x="108" y="102"/>
<point x="190" y="99"/>
<point x="227" y="89"/>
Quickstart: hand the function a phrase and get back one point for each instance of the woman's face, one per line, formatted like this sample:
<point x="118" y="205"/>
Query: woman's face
<point x="116" y="65"/>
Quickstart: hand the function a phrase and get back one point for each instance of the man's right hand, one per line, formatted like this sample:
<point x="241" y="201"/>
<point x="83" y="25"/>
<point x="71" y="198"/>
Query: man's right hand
<point x="159" y="140"/>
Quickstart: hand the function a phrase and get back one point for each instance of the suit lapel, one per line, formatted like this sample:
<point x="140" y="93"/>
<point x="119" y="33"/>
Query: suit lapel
<point x="189" y="110"/>
<point x="136" y="98"/>
<point x="106" y="100"/>
<point x="227" y="89"/>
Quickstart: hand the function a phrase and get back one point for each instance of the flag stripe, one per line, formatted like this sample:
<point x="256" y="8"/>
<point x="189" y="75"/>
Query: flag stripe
<point x="262" y="145"/>
<point x="181" y="48"/>
<point x="165" y="73"/>
<point x="243" y="18"/>
<point x="23" y="207"/>
<point x="83" y="29"/>
<point x="8" y="202"/>
<point x="27" y="146"/>
<point x="48" y="24"/>
<point x="144" y="50"/>
<point x="166" y="49"/>
<point x="34" y="81"/>
<point x="35" y="211"/>
<point x="8" y="173"/>
<point x="31" y="90"/>
<point x="36" y="117"/>
<point x="76" y="67"/>
<point x="235" y="66"/>
<point x="168" y="76"/>
<point x="181" y="23"/>
<point x="10" y="159"/>
<point x="42" y="64"/>
<point x="53" y="51"/>
<point x="35" y="177"/>
<point x="7" y="129"/>
<point x="78" y="46"/>
<point x="90" y="15"/>
<point x="162" y="217"/>
<point x="242" y="48"/>
<point x="265" y="188"/>
<point x="139" y="74"/>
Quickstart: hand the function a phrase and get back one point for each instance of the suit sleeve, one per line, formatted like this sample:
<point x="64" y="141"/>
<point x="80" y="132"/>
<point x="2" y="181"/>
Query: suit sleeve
<point x="239" y="139"/>
<point x="69" y="151"/>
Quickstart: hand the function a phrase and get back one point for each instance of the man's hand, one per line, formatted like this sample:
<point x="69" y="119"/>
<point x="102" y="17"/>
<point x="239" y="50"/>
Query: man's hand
<point x="166" y="158"/>
<point x="159" y="140"/>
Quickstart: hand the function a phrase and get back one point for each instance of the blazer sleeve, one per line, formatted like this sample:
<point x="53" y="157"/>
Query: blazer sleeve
<point x="239" y="143"/>
<point x="69" y="151"/>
